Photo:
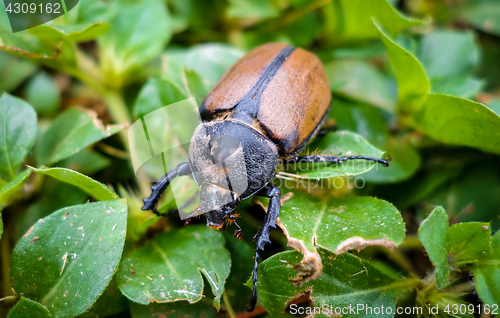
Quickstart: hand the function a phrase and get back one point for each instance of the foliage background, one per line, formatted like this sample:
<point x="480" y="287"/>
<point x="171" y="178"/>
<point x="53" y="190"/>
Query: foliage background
<point x="416" y="79"/>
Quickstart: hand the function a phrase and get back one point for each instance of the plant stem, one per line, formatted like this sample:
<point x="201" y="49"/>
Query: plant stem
<point x="399" y="259"/>
<point x="228" y="305"/>
<point x="92" y="76"/>
<point x="5" y="252"/>
<point x="112" y="151"/>
<point x="461" y="288"/>
<point x="411" y="241"/>
<point x="118" y="111"/>
<point x="116" y="106"/>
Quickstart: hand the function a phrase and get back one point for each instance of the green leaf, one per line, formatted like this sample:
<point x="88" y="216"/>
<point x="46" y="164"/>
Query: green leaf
<point x="96" y="189"/>
<point x="370" y="50"/>
<point x="458" y="121"/>
<point x="418" y="188"/>
<point x="66" y="260"/>
<point x="487" y="280"/>
<point x="197" y="87"/>
<point x="17" y="133"/>
<point x="405" y="162"/>
<point x="87" y="12"/>
<point x="446" y="53"/>
<point x="251" y="9"/>
<point x="413" y="85"/>
<point x="155" y="94"/>
<point x="487" y="274"/>
<point x="470" y="242"/>
<point x="461" y="86"/>
<point x="449" y="58"/>
<point x="9" y="191"/>
<point x="72" y="33"/>
<point x="139" y="31"/>
<point x="29" y="308"/>
<point x="169" y="132"/>
<point x="43" y="93"/>
<point x="355" y="18"/>
<point x="216" y="57"/>
<point x="138" y="220"/>
<point x="56" y="54"/>
<point x="303" y="31"/>
<point x="365" y="120"/>
<point x="241" y="265"/>
<point x="434" y="235"/>
<point x="495" y="244"/>
<point x="170" y="267"/>
<point x="347" y="144"/>
<point x="55" y="195"/>
<point x="482" y="14"/>
<point x="363" y="82"/>
<point x="473" y="195"/>
<point x="72" y="131"/>
<point x="339" y="225"/>
<point x="111" y="302"/>
<point x="178" y="309"/>
<point x="85" y="161"/>
<point x="346" y="280"/>
<point x="13" y="71"/>
<point x="149" y="99"/>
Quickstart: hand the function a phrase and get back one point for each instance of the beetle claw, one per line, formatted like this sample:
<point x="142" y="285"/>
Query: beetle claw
<point x="239" y="232"/>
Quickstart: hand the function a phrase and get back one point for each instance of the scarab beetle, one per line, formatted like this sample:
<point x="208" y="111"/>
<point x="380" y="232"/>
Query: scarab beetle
<point x="266" y="107"/>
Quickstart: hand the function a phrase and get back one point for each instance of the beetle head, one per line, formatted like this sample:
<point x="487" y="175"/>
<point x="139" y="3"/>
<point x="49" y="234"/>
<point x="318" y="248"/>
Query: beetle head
<point x="217" y="202"/>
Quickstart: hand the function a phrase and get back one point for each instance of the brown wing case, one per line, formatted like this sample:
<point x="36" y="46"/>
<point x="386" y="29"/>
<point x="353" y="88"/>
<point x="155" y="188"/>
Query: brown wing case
<point x="284" y="88"/>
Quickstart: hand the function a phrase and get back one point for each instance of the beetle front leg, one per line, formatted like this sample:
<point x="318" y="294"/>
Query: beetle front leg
<point x="238" y="233"/>
<point x="157" y="189"/>
<point x="262" y="237"/>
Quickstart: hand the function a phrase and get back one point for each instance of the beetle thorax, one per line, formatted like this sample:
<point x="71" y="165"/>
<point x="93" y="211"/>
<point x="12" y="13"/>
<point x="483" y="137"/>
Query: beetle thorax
<point x="233" y="156"/>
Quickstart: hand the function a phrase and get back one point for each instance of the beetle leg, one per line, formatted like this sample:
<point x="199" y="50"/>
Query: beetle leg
<point x="157" y="189"/>
<point x="335" y="159"/>
<point x="238" y="233"/>
<point x="155" y="211"/>
<point x="262" y="237"/>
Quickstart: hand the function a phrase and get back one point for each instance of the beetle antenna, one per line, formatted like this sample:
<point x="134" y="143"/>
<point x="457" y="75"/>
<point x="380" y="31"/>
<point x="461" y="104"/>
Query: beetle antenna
<point x="336" y="159"/>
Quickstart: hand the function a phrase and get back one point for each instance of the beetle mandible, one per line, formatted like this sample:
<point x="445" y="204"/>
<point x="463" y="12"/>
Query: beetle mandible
<point x="272" y="101"/>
